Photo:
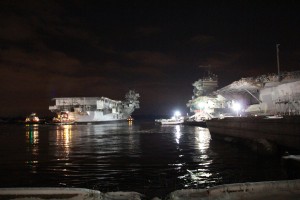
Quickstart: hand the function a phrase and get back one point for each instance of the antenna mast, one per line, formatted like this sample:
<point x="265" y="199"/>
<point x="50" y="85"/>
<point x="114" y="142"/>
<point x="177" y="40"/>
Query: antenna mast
<point x="278" y="68"/>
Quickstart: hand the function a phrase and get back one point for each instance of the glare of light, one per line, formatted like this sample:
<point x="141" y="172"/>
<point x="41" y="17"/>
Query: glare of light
<point x="201" y="105"/>
<point x="177" y="113"/>
<point x="236" y="106"/>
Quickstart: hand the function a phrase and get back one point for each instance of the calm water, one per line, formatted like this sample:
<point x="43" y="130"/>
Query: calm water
<point x="142" y="157"/>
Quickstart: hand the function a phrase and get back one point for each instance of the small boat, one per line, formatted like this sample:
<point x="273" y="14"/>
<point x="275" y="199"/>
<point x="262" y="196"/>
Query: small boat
<point x="176" y="119"/>
<point x="32" y="119"/>
<point x="274" y="117"/>
<point x="172" y="121"/>
<point x="130" y="119"/>
<point x="62" y="119"/>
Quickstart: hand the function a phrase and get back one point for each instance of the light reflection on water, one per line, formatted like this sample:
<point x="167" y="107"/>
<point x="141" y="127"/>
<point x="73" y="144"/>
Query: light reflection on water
<point x="63" y="140"/>
<point x="32" y="139"/>
<point x="200" y="174"/>
<point x="177" y="133"/>
<point x="136" y="156"/>
<point x="32" y="133"/>
<point x="202" y="138"/>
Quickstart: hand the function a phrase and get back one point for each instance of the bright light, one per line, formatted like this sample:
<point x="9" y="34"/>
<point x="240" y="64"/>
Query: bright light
<point x="177" y="113"/>
<point x="236" y="106"/>
<point x="201" y="105"/>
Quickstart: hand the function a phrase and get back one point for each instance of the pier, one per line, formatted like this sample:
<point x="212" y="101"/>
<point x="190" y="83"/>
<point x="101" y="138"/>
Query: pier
<point x="285" y="189"/>
<point x="279" y="132"/>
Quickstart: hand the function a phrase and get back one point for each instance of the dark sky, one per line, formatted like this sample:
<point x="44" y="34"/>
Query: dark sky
<point x="104" y="48"/>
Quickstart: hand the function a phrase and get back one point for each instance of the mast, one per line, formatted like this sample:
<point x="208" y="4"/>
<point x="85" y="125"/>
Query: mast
<point x="278" y="68"/>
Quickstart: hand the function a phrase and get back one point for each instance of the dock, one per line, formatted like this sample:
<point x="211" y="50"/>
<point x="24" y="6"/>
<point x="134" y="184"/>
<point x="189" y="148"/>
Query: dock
<point x="282" y="132"/>
<point x="196" y="123"/>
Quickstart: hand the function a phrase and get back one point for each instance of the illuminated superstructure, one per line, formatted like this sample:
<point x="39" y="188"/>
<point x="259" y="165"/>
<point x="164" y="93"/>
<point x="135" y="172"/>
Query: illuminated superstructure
<point x="205" y="102"/>
<point x="96" y="109"/>
<point x="262" y="95"/>
<point x="32" y="119"/>
<point x="266" y="94"/>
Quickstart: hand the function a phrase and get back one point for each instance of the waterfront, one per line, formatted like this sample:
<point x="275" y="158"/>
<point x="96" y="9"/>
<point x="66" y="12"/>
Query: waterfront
<point x="140" y="156"/>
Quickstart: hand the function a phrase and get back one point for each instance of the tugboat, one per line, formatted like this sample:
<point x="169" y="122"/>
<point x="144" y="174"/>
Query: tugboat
<point x="129" y="119"/>
<point x="62" y="119"/>
<point x="172" y="121"/>
<point x="175" y="120"/>
<point x="32" y="119"/>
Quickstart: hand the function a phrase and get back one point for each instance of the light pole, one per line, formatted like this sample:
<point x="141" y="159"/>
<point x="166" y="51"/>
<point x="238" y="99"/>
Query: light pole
<point x="278" y="68"/>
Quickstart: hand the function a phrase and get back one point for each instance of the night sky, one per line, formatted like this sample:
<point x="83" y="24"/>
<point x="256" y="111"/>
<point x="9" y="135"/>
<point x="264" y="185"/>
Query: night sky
<point x="158" y="48"/>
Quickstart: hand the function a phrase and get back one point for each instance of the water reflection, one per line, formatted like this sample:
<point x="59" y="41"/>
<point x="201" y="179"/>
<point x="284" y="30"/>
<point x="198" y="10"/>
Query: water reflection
<point x="131" y="139"/>
<point x="32" y="133"/>
<point x="199" y="173"/>
<point x="143" y="157"/>
<point x="177" y="133"/>
<point x="105" y="148"/>
<point x="32" y="139"/>
<point x="64" y="140"/>
<point x="203" y="138"/>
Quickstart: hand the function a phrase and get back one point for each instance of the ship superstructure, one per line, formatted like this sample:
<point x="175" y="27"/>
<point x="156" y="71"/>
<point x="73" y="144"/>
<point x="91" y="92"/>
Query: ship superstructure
<point x="96" y="109"/>
<point x="266" y="94"/>
<point x="263" y="95"/>
<point x="205" y="101"/>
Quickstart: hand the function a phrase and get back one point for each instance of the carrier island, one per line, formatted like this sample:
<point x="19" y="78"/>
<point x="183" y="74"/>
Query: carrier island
<point x="95" y="109"/>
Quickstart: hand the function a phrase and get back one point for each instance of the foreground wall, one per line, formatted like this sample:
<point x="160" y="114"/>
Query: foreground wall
<point x="270" y="190"/>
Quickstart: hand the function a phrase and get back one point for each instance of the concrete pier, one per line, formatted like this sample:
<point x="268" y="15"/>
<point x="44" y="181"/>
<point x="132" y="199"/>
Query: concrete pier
<point x="196" y="123"/>
<point x="268" y="190"/>
<point x="48" y="193"/>
<point x="39" y="193"/>
<point x="282" y="132"/>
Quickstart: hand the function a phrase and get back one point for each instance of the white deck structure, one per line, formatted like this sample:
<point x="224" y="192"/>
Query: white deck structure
<point x="262" y="95"/>
<point x="96" y="109"/>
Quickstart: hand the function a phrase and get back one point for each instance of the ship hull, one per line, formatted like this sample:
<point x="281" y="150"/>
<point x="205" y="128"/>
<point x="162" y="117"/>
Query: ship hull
<point x="96" y="116"/>
<point x="95" y="109"/>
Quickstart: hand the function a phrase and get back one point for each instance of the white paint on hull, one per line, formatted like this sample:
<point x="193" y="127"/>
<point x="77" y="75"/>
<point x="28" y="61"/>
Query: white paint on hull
<point x="96" y="116"/>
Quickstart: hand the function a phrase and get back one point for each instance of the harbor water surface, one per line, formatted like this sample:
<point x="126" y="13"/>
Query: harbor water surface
<point x="141" y="156"/>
